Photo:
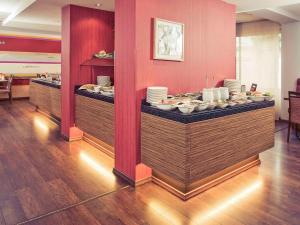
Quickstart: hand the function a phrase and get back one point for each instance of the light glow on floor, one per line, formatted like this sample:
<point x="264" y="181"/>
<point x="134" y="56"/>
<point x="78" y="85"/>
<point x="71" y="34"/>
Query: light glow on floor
<point x="41" y="125"/>
<point x="164" y="212"/>
<point x="203" y="217"/>
<point x="97" y="166"/>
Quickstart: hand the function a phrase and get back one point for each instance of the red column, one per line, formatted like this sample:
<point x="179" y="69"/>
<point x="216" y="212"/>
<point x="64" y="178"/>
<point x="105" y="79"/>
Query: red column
<point x="127" y="104"/>
<point x="85" y="31"/>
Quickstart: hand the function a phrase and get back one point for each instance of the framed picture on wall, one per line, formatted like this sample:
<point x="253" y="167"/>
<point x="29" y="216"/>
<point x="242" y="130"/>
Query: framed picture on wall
<point x="168" y="40"/>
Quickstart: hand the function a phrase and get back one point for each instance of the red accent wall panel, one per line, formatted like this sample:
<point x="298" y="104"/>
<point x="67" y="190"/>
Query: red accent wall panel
<point x="21" y="44"/>
<point x="209" y="57"/>
<point x="85" y="31"/>
<point x="220" y="42"/>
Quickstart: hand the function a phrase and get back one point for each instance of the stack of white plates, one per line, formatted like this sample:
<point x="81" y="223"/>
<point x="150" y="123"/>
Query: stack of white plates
<point x="156" y="94"/>
<point x="233" y="85"/>
<point x="103" y="81"/>
<point x="224" y="93"/>
<point x="208" y="95"/>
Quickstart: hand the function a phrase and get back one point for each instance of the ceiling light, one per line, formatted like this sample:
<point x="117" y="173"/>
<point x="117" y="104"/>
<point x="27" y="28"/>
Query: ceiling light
<point x="98" y="5"/>
<point x="21" y="7"/>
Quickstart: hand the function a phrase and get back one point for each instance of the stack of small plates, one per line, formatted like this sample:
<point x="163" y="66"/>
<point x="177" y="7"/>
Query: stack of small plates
<point x="103" y="81"/>
<point x="156" y="94"/>
<point x="233" y="85"/>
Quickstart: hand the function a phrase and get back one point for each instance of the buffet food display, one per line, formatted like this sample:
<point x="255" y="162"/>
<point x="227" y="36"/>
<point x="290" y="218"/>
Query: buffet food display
<point x="210" y="98"/>
<point x="103" y="87"/>
<point x="191" y="152"/>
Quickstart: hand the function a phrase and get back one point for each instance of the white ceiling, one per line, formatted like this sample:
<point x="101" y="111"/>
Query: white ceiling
<point x="281" y="11"/>
<point x="43" y="17"/>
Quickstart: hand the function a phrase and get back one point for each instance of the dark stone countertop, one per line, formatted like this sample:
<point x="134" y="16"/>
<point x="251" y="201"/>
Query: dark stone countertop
<point x="177" y="116"/>
<point x="95" y="96"/>
<point x="46" y="83"/>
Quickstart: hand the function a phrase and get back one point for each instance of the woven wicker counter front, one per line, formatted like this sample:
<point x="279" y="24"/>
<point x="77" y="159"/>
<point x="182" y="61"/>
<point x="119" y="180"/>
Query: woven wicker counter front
<point x="189" y="158"/>
<point x="46" y="97"/>
<point x="96" y="119"/>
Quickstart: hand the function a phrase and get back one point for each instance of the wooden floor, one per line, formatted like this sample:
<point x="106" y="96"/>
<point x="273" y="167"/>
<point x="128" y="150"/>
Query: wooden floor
<point x="46" y="181"/>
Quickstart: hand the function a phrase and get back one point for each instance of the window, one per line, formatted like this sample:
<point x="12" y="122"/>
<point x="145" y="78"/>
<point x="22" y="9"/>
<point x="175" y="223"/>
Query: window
<point x="258" y="60"/>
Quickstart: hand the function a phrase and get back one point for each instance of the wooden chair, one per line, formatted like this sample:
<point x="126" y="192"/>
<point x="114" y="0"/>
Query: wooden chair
<point x="294" y="111"/>
<point x="298" y="85"/>
<point x="7" y="88"/>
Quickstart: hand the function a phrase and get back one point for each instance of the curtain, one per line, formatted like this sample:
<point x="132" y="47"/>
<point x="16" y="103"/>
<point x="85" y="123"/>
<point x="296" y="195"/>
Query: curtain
<point x="259" y="57"/>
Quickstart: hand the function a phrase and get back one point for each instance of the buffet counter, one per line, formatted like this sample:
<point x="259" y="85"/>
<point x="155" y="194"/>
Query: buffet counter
<point x="46" y="96"/>
<point x="94" y="115"/>
<point x="189" y="153"/>
<point x="20" y="88"/>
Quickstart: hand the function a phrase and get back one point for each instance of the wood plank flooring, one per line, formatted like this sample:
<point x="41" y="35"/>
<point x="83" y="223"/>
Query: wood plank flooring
<point x="41" y="175"/>
<point x="40" y="172"/>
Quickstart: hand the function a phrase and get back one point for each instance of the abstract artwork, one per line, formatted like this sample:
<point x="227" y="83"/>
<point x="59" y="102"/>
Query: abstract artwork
<point x="168" y="40"/>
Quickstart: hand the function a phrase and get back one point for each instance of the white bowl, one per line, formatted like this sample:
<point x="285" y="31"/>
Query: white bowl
<point x="268" y="98"/>
<point x="166" y="107"/>
<point x="97" y="89"/>
<point x="186" y="109"/>
<point x="202" y="107"/>
<point x="197" y="102"/>
<point x="257" y="98"/>
<point x="211" y="106"/>
<point x="107" y="93"/>
<point x="232" y="104"/>
<point x="223" y="105"/>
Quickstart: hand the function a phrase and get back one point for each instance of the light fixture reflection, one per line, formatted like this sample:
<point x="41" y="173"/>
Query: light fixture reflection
<point x="165" y="212"/>
<point x="41" y="125"/>
<point x="201" y="219"/>
<point x="97" y="166"/>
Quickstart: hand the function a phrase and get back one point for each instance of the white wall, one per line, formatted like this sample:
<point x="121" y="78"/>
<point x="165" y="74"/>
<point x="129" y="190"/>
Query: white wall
<point x="290" y="62"/>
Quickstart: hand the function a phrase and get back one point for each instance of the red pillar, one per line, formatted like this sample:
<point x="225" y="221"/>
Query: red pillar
<point x="127" y="104"/>
<point x="85" y="31"/>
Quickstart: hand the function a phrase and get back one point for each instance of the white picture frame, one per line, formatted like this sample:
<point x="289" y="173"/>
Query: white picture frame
<point x="168" y="40"/>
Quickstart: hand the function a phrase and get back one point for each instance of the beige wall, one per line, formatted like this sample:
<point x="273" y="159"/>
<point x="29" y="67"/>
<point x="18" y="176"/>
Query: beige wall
<point x="290" y="61"/>
<point x="27" y="68"/>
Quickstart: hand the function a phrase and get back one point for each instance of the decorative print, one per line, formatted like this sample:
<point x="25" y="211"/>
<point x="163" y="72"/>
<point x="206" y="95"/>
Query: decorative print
<point x="168" y="40"/>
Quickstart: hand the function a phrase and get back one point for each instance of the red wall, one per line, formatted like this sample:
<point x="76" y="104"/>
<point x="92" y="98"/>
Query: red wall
<point x="21" y="44"/>
<point x="209" y="44"/>
<point x="85" y="31"/>
<point x="209" y="52"/>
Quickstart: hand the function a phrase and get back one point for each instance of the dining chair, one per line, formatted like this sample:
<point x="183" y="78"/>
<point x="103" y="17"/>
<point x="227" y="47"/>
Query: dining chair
<point x="294" y="111"/>
<point x="7" y="88"/>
